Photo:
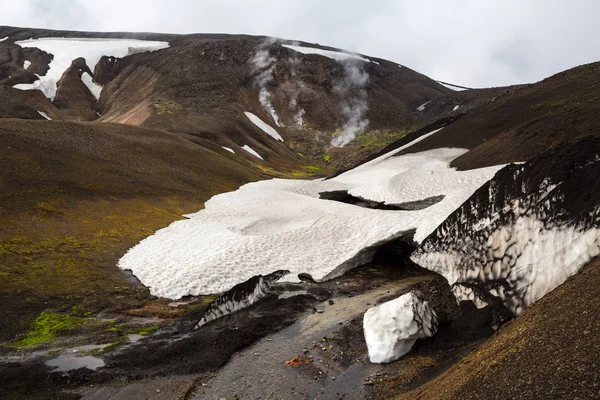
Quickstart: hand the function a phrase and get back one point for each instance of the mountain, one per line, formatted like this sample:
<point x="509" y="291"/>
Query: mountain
<point x="111" y="143"/>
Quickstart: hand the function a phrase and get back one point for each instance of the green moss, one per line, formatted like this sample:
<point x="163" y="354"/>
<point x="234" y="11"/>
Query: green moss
<point x="143" y="330"/>
<point x="114" y="345"/>
<point x="166" y="108"/>
<point x="47" y="325"/>
<point x="560" y="103"/>
<point x="327" y="158"/>
<point x="377" y="139"/>
<point x="311" y="169"/>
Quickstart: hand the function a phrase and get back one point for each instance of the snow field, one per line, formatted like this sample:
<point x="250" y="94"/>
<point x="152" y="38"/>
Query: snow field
<point x="65" y="50"/>
<point x="283" y="224"/>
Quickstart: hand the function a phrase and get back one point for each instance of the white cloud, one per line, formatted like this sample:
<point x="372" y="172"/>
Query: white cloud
<point x="472" y="42"/>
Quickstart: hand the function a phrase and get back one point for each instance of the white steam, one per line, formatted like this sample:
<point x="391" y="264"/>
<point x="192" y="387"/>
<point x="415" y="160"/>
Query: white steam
<point x="263" y="66"/>
<point x="352" y="89"/>
<point x="299" y="112"/>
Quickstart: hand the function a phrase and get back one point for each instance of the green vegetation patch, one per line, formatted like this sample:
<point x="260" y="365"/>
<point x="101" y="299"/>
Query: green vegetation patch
<point x="166" y="107"/>
<point x="47" y="325"/>
<point x="377" y="139"/>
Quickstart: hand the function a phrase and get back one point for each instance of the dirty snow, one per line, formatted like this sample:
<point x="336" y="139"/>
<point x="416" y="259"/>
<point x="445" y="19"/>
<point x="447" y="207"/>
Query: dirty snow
<point x="251" y="151"/>
<point x="542" y="258"/>
<point x="263" y="126"/>
<point x="43" y="114"/>
<point x="422" y="106"/>
<point x="283" y="224"/>
<point x="392" y="328"/>
<point x="335" y="55"/>
<point x="65" y="50"/>
<point x="228" y="149"/>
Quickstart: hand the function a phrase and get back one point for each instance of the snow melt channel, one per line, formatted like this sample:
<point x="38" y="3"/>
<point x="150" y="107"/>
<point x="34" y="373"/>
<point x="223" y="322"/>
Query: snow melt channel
<point x="65" y="50"/>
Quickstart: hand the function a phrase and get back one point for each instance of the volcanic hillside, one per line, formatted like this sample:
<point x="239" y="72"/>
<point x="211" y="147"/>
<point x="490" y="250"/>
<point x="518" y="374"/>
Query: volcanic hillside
<point x="106" y="138"/>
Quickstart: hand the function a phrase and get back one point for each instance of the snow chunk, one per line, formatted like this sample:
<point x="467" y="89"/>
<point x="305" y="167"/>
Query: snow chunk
<point x="455" y="108"/>
<point x="268" y="225"/>
<point x="335" y="55"/>
<point x="263" y="126"/>
<point x="240" y="296"/>
<point x="43" y="114"/>
<point x="392" y="328"/>
<point x="251" y="151"/>
<point x="228" y="149"/>
<point x="65" y="50"/>
<point x="422" y="106"/>
<point x="26" y="64"/>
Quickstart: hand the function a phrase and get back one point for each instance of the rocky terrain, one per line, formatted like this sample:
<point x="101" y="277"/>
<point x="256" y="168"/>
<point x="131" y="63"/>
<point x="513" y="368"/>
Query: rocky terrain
<point x="107" y="138"/>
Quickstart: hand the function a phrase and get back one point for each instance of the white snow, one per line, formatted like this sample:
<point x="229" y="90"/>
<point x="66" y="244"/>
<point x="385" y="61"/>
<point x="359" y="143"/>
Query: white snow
<point x="43" y="114"/>
<point x="455" y="108"/>
<point x="392" y="328"/>
<point x="228" y="149"/>
<point x="422" y="106"/>
<point x="251" y="151"/>
<point x="26" y="64"/>
<point x="455" y="88"/>
<point x="283" y="224"/>
<point x="65" y="50"/>
<point x="2" y="40"/>
<point x="263" y="126"/>
<point x="336" y="55"/>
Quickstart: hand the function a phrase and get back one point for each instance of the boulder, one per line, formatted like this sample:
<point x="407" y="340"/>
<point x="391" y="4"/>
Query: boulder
<point x="392" y="328"/>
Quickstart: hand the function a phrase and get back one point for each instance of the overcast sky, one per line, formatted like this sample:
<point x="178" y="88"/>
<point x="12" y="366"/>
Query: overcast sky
<point x="468" y="42"/>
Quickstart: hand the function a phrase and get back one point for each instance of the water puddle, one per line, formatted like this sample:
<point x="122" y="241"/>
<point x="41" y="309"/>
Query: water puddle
<point x="70" y="361"/>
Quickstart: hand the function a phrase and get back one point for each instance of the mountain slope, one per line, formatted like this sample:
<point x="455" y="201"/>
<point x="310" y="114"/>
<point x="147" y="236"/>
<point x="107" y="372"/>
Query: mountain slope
<point x="75" y="196"/>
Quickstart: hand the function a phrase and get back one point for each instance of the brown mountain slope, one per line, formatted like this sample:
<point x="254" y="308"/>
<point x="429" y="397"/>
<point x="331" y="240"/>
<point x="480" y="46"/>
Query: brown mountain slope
<point x="549" y="352"/>
<point x="524" y="122"/>
<point x="76" y="196"/>
<point x="203" y="83"/>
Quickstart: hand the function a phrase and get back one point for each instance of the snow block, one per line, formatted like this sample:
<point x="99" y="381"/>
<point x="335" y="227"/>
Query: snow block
<point x="241" y="296"/>
<point x="392" y="328"/>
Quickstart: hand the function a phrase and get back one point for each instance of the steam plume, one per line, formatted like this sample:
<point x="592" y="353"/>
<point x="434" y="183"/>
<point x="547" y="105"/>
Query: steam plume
<point x="352" y="89"/>
<point x="263" y="66"/>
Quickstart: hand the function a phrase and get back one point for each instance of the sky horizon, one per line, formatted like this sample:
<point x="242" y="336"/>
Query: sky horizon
<point x="475" y="43"/>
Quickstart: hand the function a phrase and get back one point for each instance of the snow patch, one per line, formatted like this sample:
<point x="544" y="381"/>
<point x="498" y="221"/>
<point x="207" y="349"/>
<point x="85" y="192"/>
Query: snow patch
<point x="26" y="64"/>
<point x="455" y="108"/>
<point x="335" y="55"/>
<point x="65" y="50"/>
<point x="2" y="40"/>
<point x="392" y="328"/>
<point x="43" y="114"/>
<point x="228" y="149"/>
<point x="263" y="126"/>
<point x="282" y="223"/>
<point x="251" y="151"/>
<point x="422" y="106"/>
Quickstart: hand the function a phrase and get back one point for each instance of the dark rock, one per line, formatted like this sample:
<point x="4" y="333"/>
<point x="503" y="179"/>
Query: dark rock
<point x="72" y="95"/>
